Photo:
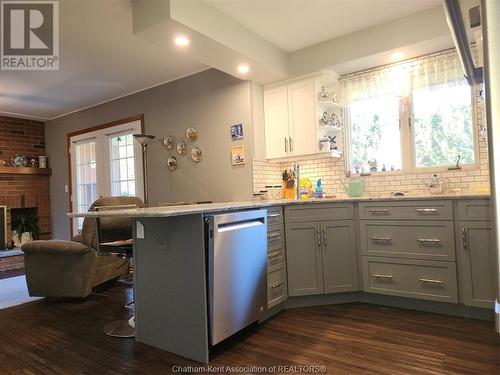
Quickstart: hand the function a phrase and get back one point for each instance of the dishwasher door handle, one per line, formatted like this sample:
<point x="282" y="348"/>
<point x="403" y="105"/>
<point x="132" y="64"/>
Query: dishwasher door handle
<point x="226" y="227"/>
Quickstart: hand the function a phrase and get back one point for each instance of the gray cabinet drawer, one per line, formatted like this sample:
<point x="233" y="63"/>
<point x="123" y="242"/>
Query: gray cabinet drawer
<point x="435" y="281"/>
<point x="276" y="285"/>
<point x="432" y="240"/>
<point x="275" y="235"/>
<point x="274" y="215"/>
<point x="474" y="209"/>
<point x="319" y="212"/>
<point x="407" y="210"/>
<point x="276" y="255"/>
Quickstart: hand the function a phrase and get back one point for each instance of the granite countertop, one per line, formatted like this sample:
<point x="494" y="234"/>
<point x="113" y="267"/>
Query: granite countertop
<point x="169" y="211"/>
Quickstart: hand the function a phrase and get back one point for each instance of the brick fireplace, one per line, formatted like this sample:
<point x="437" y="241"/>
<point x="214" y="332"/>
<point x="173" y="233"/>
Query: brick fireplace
<point x="24" y="187"/>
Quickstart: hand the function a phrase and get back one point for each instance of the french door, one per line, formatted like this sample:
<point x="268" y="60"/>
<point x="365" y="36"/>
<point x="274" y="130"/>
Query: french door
<point x="105" y="163"/>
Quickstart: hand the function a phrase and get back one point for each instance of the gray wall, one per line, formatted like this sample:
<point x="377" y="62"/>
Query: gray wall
<point x="210" y="101"/>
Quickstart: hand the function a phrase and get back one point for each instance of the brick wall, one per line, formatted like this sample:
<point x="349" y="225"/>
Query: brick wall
<point x="26" y="137"/>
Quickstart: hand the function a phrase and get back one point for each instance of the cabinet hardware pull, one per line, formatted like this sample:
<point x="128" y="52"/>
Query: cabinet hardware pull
<point x="318" y="237"/>
<point x="286" y="145"/>
<point x="274" y="256"/>
<point x="381" y="276"/>
<point x="273" y="215"/>
<point x="426" y="210"/>
<point x="324" y="236"/>
<point x="290" y="142"/>
<point x="277" y="285"/>
<point x="382" y="211"/>
<point x="464" y="239"/>
<point x="430" y="240"/>
<point x="431" y="281"/>
<point x="273" y="235"/>
<point x="381" y="238"/>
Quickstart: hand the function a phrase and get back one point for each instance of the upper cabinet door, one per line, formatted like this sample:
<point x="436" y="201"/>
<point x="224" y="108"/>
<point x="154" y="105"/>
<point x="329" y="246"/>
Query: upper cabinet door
<point x="302" y="117"/>
<point x="276" y="122"/>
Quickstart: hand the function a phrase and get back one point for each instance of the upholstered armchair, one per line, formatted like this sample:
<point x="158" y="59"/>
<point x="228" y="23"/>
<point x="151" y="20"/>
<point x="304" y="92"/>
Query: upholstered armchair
<point x="58" y="268"/>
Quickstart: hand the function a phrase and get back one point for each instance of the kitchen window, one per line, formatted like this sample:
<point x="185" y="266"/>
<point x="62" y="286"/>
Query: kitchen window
<point x="375" y="135"/>
<point x="442" y="125"/>
<point x="413" y="116"/>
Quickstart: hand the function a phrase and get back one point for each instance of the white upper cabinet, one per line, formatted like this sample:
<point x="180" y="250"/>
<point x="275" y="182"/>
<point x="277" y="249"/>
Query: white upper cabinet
<point x="292" y="118"/>
<point x="301" y="118"/>
<point x="276" y="122"/>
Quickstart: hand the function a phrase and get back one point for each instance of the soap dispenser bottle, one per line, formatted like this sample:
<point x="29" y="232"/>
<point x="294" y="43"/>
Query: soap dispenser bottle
<point x="318" y="193"/>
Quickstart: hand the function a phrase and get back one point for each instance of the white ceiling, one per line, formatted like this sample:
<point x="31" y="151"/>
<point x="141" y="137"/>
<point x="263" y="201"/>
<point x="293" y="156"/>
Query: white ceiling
<point x="295" y="24"/>
<point x="100" y="59"/>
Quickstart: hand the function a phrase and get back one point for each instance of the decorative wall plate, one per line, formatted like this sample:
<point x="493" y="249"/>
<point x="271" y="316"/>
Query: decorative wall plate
<point x="196" y="154"/>
<point x="19" y="160"/>
<point x="172" y="163"/>
<point x="182" y="148"/>
<point x="168" y="142"/>
<point x="191" y="134"/>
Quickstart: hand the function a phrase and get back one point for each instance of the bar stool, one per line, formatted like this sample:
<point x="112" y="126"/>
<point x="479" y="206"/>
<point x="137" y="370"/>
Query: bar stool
<point x="114" y="237"/>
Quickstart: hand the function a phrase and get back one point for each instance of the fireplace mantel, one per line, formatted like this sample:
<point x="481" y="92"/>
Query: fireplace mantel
<point x="25" y="170"/>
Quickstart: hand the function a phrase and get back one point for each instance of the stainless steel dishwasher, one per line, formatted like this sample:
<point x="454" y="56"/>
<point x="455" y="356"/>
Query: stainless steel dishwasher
<point x="237" y="261"/>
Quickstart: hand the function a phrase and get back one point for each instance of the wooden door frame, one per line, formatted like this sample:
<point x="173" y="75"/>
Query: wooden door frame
<point x="88" y="130"/>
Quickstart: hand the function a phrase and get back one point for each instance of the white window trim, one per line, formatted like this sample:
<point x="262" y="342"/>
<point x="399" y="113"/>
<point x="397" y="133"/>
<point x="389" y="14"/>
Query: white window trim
<point x="408" y="156"/>
<point x="103" y="158"/>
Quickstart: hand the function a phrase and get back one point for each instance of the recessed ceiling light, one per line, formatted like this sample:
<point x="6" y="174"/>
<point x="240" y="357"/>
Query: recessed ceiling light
<point x="398" y="56"/>
<point x="181" y="41"/>
<point x="243" y="69"/>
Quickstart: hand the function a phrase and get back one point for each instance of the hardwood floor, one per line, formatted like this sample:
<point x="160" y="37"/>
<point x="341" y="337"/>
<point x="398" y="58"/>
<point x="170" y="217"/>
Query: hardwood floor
<point x="11" y="273"/>
<point x="55" y="337"/>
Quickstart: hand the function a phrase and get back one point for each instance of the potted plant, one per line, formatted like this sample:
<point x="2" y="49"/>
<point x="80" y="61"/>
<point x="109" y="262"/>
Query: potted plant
<point x="25" y="228"/>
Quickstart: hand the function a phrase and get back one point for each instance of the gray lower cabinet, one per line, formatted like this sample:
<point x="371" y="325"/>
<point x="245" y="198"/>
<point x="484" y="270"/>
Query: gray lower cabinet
<point x="340" y="268"/>
<point x="321" y="257"/>
<point x="477" y="263"/>
<point x="304" y="262"/>
<point x="276" y="285"/>
<point x="429" y="280"/>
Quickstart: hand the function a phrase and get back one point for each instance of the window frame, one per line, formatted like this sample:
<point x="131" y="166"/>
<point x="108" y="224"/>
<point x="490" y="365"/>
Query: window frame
<point x="407" y="141"/>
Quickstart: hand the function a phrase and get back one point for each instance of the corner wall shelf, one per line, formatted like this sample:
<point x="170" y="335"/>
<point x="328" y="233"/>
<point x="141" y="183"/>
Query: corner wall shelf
<point x="25" y="171"/>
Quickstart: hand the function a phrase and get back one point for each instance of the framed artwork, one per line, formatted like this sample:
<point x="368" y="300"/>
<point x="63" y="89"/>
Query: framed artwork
<point x="238" y="155"/>
<point x="236" y="132"/>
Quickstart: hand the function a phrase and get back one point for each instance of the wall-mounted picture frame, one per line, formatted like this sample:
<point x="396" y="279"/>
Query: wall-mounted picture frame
<point x="238" y="155"/>
<point x="236" y="132"/>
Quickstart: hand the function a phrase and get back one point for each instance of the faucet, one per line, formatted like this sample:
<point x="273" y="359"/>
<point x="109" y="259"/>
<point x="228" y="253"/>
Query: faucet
<point x="296" y="170"/>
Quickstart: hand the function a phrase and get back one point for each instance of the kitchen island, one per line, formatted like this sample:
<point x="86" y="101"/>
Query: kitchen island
<point x="171" y="265"/>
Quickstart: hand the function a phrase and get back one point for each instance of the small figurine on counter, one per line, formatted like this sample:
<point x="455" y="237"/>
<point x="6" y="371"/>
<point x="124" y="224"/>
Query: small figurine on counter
<point x="392" y="167"/>
<point x="356" y="168"/>
<point x="373" y="165"/>
<point x="383" y="168"/>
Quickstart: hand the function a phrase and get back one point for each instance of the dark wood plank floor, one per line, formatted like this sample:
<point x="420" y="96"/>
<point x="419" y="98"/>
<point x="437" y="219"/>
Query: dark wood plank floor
<point x="54" y="337"/>
<point x="11" y="273"/>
